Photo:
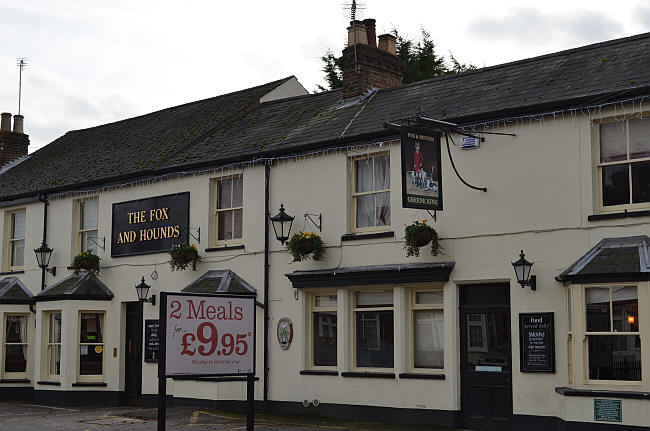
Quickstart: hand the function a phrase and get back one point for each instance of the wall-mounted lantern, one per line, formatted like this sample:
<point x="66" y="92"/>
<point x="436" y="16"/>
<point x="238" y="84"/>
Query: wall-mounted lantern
<point x="143" y="290"/>
<point x="282" y="225"/>
<point x="43" y="256"/>
<point x="522" y="270"/>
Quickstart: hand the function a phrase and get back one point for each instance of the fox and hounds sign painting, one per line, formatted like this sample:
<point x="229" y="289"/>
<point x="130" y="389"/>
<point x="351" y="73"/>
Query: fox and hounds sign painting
<point x="421" y="170"/>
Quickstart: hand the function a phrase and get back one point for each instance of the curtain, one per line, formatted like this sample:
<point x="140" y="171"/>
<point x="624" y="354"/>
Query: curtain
<point x="22" y="322"/>
<point x="100" y="326"/>
<point x="382" y="182"/>
<point x="365" y="203"/>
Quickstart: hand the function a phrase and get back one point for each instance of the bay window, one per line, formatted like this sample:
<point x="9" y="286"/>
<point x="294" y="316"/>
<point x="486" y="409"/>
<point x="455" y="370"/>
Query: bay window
<point x="373" y="316"/>
<point x="91" y="344"/>
<point x="428" y="329"/>
<point x="54" y="345"/>
<point x="324" y="329"/>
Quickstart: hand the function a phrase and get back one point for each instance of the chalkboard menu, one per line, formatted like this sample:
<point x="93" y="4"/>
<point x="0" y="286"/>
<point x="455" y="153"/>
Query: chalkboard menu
<point x="151" y="340"/>
<point x="536" y="342"/>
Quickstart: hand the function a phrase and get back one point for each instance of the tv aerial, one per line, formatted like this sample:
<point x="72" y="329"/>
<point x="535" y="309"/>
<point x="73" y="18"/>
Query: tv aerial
<point x="22" y="64"/>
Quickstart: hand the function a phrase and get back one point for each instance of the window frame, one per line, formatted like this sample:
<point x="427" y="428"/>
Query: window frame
<point x="353" y="194"/>
<point x="216" y="210"/>
<point x="49" y="345"/>
<point x="354" y="308"/>
<point x="14" y="375"/>
<point x="80" y="229"/>
<point x="586" y="334"/>
<point x="91" y="377"/>
<point x="413" y="307"/>
<point x="313" y="308"/>
<point x="10" y="239"/>
<point x="598" y="166"/>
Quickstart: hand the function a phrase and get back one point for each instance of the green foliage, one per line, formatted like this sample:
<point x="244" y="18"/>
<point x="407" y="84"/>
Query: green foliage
<point x="418" y="235"/>
<point x="418" y="56"/>
<point x="86" y="260"/>
<point x="303" y="244"/>
<point x="182" y="256"/>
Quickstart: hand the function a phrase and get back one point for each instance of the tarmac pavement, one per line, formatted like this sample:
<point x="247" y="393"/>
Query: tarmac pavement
<point x="16" y="416"/>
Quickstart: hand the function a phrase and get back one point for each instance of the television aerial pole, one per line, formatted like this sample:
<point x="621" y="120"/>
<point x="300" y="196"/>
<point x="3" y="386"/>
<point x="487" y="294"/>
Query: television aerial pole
<point x="356" y="10"/>
<point x="22" y="63"/>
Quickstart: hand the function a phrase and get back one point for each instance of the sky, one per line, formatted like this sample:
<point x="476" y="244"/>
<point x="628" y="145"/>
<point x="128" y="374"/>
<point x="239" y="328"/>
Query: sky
<point x="92" y="62"/>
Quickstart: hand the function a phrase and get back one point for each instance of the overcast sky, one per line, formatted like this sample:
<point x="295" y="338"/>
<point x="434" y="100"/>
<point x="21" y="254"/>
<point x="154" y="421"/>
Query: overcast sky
<point x="93" y="62"/>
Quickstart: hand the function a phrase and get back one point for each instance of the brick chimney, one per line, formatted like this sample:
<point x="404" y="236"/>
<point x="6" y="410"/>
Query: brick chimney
<point x="377" y="67"/>
<point x="13" y="144"/>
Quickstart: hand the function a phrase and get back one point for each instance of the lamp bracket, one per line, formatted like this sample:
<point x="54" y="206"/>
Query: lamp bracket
<point x="51" y="271"/>
<point x="151" y="300"/>
<point x="318" y="225"/>
<point x="434" y="215"/>
<point x="102" y="245"/>
<point x="198" y="234"/>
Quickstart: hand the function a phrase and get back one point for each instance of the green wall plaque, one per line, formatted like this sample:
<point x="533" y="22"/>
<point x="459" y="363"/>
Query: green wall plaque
<point x="608" y="410"/>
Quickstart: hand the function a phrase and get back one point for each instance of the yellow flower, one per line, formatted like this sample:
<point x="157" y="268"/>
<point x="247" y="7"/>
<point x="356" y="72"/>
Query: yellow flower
<point x="194" y="246"/>
<point x="424" y="221"/>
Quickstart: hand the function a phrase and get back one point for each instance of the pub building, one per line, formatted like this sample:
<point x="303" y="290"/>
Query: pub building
<point x="534" y="313"/>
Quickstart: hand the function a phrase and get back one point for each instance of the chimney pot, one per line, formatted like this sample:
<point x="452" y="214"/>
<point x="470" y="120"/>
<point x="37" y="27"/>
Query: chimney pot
<point x="362" y="36"/>
<point x="5" y="122"/>
<point x="370" y="31"/>
<point x="388" y="43"/>
<point x="18" y="123"/>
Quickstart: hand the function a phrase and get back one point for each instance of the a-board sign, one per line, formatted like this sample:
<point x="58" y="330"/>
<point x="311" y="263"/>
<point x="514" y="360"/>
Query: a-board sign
<point x="608" y="410"/>
<point x="209" y="335"/>
<point x="151" y="340"/>
<point x="421" y="170"/>
<point x="537" y="342"/>
<point x="150" y="225"/>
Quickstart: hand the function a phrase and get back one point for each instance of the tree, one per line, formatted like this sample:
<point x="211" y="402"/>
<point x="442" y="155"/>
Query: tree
<point x="419" y="58"/>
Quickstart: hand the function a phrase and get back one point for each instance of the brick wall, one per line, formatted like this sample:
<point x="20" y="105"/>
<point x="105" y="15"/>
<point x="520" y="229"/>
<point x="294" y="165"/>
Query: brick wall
<point x="12" y="146"/>
<point x="377" y="69"/>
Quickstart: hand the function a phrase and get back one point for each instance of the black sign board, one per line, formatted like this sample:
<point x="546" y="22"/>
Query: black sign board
<point x="150" y="225"/>
<point x="421" y="170"/>
<point x="536" y="342"/>
<point x="151" y="340"/>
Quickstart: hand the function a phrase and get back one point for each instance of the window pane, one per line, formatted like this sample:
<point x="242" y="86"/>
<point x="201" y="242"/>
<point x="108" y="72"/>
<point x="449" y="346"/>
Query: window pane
<point x="89" y="214"/>
<point x="92" y="328"/>
<point x="224" y="194"/>
<point x="614" y="357"/>
<point x="374" y="339"/>
<point x="237" y="226"/>
<point x="237" y="192"/>
<point x="224" y="225"/>
<point x="363" y="180"/>
<point x="54" y="367"/>
<point x="15" y="359"/>
<point x="487" y="342"/>
<point x="641" y="182"/>
<point x="325" y="301"/>
<point x="55" y="328"/>
<point x="597" y="304"/>
<point x="429" y="339"/>
<point x="18" y="253"/>
<point x="325" y="338"/>
<point x="569" y="310"/>
<point x="625" y="309"/>
<point x="428" y="297"/>
<point x="89" y="241"/>
<point x="383" y="209"/>
<point x="375" y="299"/>
<point x="616" y="185"/>
<point x="18" y="226"/>
<point x="16" y="331"/>
<point x="382" y="173"/>
<point x="365" y="210"/>
<point x="90" y="360"/>
<point x="613" y="142"/>
<point x="639" y="138"/>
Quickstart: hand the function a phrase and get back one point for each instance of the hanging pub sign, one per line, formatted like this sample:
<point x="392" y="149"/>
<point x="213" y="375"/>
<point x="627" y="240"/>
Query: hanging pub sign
<point x="150" y="225"/>
<point x="536" y="342"/>
<point x="421" y="170"/>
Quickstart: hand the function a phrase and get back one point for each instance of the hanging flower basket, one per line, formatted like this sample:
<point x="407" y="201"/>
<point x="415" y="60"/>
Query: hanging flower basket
<point x="182" y="256"/>
<point x="87" y="261"/>
<point x="305" y="244"/>
<point x="417" y="235"/>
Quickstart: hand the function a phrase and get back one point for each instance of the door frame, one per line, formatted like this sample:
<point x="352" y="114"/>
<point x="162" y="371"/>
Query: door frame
<point x="136" y="308"/>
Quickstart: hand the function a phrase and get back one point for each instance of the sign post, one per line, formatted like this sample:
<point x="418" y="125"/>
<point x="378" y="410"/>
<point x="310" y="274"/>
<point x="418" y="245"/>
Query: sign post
<point x="206" y="336"/>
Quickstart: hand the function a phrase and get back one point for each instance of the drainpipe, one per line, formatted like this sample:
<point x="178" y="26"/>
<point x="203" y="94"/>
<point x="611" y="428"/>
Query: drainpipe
<point x="46" y="203"/>
<point x="267" y="172"/>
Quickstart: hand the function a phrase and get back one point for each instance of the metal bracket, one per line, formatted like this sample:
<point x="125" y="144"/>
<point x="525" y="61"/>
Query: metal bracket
<point x="434" y="215"/>
<point x="319" y="226"/>
<point x="198" y="232"/>
<point x="103" y="244"/>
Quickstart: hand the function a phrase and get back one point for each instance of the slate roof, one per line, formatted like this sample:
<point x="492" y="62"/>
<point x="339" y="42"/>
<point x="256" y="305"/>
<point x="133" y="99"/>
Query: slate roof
<point x="82" y="286"/>
<point x="13" y="291"/>
<point x="611" y="260"/>
<point x="220" y="281"/>
<point x="194" y="135"/>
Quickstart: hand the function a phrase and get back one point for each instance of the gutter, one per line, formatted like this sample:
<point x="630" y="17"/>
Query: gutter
<point x="267" y="172"/>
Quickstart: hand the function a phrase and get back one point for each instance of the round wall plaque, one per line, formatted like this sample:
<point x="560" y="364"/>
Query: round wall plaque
<point x="285" y="332"/>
